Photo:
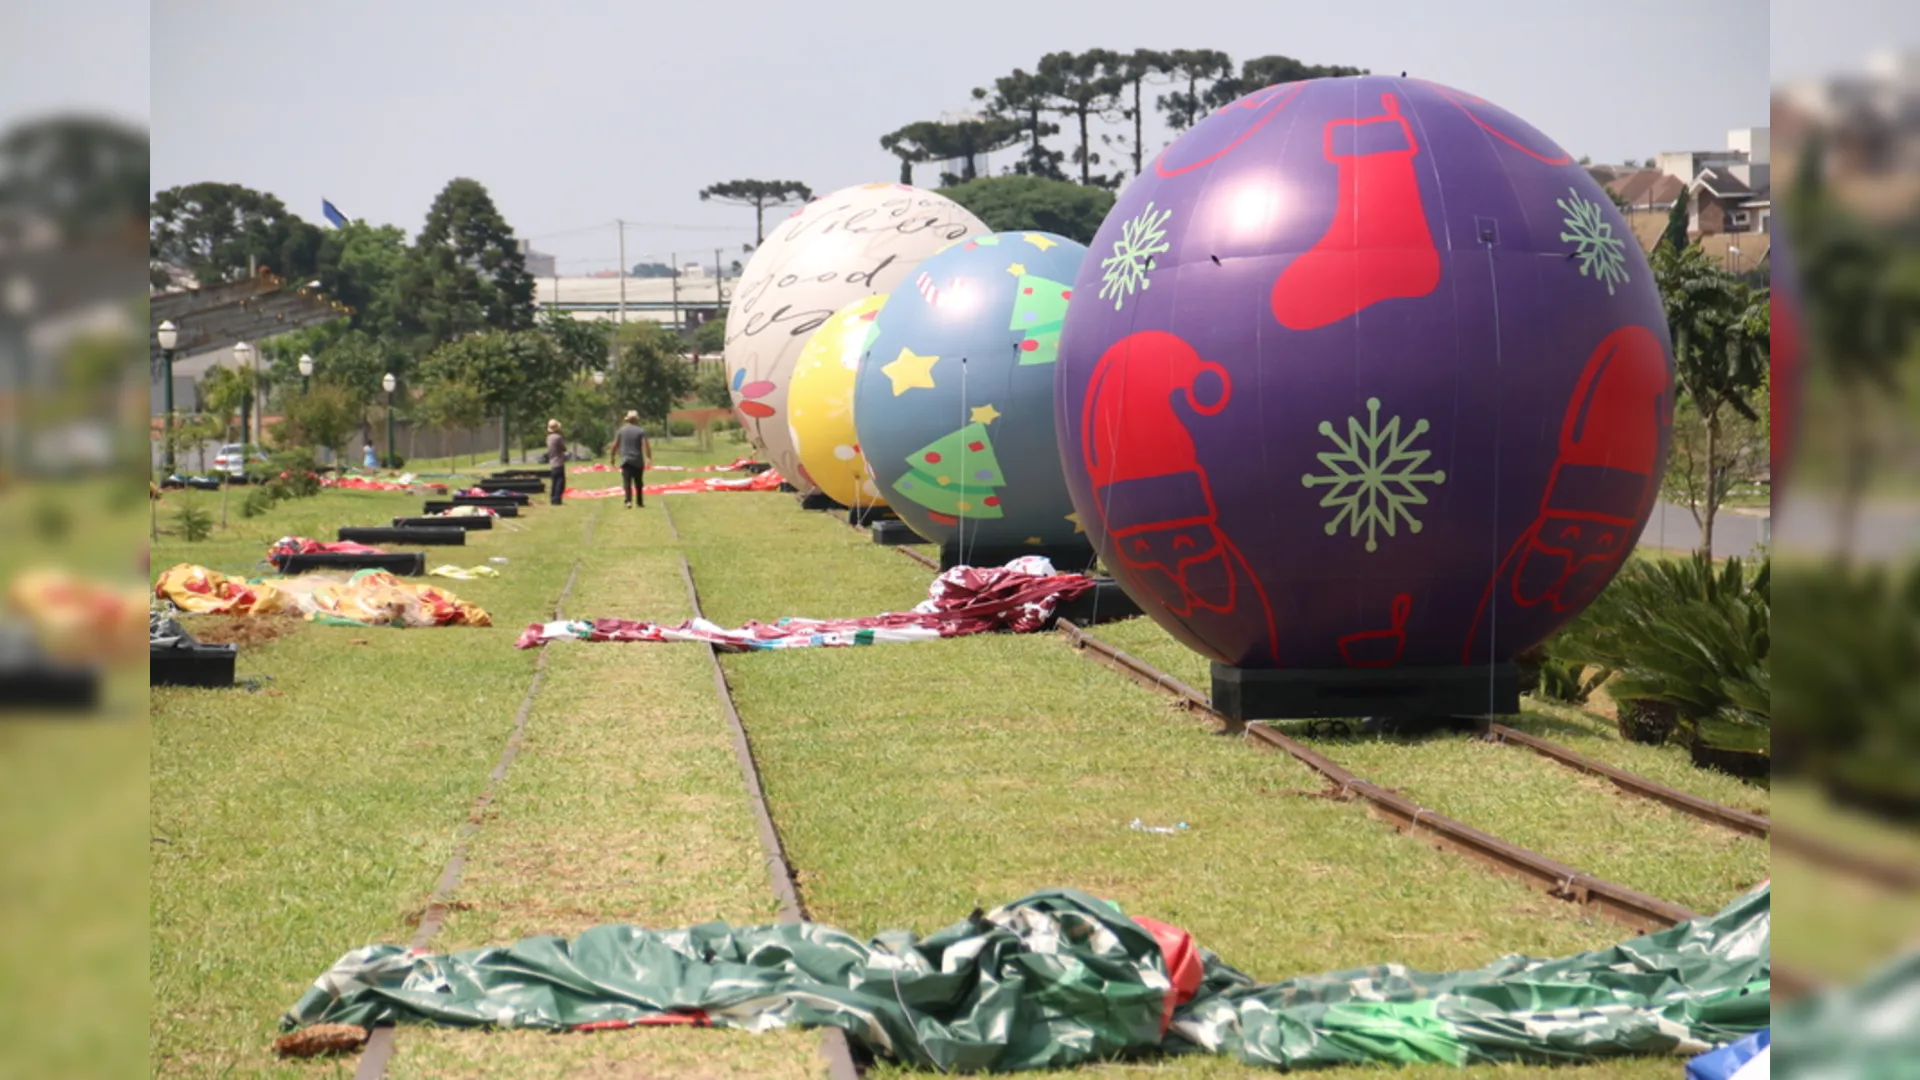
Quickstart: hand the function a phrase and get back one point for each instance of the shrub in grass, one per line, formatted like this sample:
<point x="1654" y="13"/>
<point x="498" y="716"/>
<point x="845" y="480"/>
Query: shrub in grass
<point x="51" y="519"/>
<point x="1692" y="641"/>
<point x="680" y="427"/>
<point x="259" y="500"/>
<point x="192" y="522"/>
<point x="1846" y="702"/>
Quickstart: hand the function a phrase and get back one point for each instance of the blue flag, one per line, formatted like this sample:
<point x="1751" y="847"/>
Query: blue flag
<point x="332" y="214"/>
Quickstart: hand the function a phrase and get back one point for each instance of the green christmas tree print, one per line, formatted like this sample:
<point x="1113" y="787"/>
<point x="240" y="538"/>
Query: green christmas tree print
<point x="1039" y="310"/>
<point x="955" y="475"/>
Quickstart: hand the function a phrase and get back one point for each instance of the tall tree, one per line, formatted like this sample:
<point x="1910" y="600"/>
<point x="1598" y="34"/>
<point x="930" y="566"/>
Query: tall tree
<point x="1675" y="234"/>
<point x="759" y="194"/>
<point x="911" y="144"/>
<point x="213" y="229"/>
<point x="966" y="141"/>
<point x="1862" y="303"/>
<point x="518" y="375"/>
<point x="1022" y="98"/>
<point x="86" y="175"/>
<point x="1198" y="69"/>
<point x="1264" y="71"/>
<point x="465" y="272"/>
<point x="1721" y="336"/>
<point x="1015" y="203"/>
<point x="361" y="266"/>
<point x="650" y="377"/>
<point x="1082" y="87"/>
<point x="1135" y="70"/>
<point x="585" y="344"/>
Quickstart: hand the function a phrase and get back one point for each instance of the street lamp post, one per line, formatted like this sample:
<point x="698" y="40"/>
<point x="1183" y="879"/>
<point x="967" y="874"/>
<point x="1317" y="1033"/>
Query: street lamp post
<point x="387" y="383"/>
<point x="244" y="354"/>
<point x="168" y="336"/>
<point x="599" y="380"/>
<point x="306" y="374"/>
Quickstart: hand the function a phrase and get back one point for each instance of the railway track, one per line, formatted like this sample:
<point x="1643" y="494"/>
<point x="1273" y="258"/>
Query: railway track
<point x="835" y="1048"/>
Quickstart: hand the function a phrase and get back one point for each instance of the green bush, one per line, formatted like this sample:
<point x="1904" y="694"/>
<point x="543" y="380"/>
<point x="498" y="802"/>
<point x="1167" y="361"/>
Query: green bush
<point x="192" y="522"/>
<point x="393" y="461"/>
<point x="679" y="427"/>
<point x="1691" y="638"/>
<point x="736" y="434"/>
<point x="289" y="472"/>
<point x="260" y="499"/>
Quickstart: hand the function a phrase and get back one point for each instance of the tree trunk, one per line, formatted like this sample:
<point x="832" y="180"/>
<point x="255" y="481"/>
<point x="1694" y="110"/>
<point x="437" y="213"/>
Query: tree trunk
<point x="1086" y="154"/>
<point x="506" y="447"/>
<point x="1713" y="483"/>
<point x="1033" y="155"/>
<point x="1853" y="480"/>
<point x="759" y="225"/>
<point x="1137" y="136"/>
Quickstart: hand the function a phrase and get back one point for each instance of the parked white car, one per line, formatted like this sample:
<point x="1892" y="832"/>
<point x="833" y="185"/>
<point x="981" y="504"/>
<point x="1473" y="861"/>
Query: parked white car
<point x="234" y="458"/>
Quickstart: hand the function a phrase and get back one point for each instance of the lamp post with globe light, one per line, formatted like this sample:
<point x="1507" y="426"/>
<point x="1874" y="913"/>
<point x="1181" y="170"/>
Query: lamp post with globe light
<point x="387" y="383"/>
<point x="306" y="373"/>
<point x="168" y="335"/>
<point x="243" y="354"/>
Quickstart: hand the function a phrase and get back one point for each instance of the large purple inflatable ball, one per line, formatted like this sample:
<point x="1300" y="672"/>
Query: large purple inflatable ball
<point x="1363" y="373"/>
<point x="954" y="399"/>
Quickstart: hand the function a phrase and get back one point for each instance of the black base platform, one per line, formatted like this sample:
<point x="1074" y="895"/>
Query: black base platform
<point x="864" y="516"/>
<point x="463" y="522"/>
<point x="519" y="474"/>
<point x="1291" y="694"/>
<point x="401" y="563"/>
<point x="788" y="488"/>
<point x="1104" y="603"/>
<point x="518" y="485"/>
<point x="755" y="468"/>
<point x="47" y="685"/>
<point x="505" y="498"/>
<point x="1067" y="560"/>
<point x="820" y="500"/>
<point x="435" y="506"/>
<point x="375" y="534"/>
<point x="193" y="664"/>
<point x="896" y="533"/>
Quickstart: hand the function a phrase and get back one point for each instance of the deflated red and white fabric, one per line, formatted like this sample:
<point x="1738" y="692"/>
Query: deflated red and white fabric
<point x="1020" y="597"/>
<point x="300" y="545"/>
<point x="733" y="466"/>
<point x="765" y="481"/>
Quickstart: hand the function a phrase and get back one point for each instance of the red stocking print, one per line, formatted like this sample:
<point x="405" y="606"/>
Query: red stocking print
<point x="1378" y="246"/>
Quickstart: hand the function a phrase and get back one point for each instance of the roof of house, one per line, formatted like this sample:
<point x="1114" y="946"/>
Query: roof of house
<point x="1721" y="184"/>
<point x="1647" y="187"/>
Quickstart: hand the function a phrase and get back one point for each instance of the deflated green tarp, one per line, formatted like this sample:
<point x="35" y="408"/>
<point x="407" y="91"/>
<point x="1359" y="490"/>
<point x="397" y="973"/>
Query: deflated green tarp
<point x="1060" y="978"/>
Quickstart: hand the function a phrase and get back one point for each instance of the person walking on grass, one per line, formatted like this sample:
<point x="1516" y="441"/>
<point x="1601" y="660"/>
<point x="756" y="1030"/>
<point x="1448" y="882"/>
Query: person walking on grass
<point x="557" y="460"/>
<point x="635" y="454"/>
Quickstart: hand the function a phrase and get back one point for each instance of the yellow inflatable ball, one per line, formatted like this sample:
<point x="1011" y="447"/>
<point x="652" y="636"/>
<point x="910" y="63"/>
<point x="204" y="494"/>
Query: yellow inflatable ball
<point x="820" y="405"/>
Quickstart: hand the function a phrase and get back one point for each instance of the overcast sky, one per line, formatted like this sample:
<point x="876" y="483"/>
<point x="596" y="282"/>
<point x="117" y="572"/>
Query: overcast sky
<point x="574" y="114"/>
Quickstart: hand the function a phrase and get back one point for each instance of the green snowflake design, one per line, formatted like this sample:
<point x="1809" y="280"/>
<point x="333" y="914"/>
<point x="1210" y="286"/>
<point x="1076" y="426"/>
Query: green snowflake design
<point x="1602" y="255"/>
<point x="1125" y="271"/>
<point x="1374" y="476"/>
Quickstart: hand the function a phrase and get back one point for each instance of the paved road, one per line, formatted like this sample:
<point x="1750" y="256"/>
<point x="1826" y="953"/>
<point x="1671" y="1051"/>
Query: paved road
<point x="1672" y="527"/>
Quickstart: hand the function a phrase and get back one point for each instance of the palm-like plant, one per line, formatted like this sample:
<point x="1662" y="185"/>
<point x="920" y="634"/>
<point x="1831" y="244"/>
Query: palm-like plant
<point x="1688" y="637"/>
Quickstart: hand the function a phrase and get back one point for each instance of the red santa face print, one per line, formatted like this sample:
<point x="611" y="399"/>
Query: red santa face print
<point x="1153" y="495"/>
<point x="1601" y="486"/>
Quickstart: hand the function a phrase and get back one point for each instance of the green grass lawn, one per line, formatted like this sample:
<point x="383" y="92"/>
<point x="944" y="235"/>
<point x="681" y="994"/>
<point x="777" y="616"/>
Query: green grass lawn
<point x="910" y="783"/>
<point x="910" y="790"/>
<point x="73" y="796"/>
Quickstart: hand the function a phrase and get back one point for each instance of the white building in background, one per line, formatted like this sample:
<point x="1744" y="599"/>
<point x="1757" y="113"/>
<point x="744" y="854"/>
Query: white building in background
<point x="695" y="295"/>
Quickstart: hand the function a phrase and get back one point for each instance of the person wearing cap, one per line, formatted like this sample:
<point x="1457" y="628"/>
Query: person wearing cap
<point x="556" y="460"/>
<point x="634" y="454"/>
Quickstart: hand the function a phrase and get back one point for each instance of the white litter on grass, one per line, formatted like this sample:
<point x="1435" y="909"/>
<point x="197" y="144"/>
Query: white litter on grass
<point x="498" y="559"/>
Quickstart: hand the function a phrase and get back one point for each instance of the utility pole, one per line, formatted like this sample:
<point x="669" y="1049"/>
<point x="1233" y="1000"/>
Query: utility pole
<point x="623" y="272"/>
<point x="718" y="276"/>
<point x="673" y="262"/>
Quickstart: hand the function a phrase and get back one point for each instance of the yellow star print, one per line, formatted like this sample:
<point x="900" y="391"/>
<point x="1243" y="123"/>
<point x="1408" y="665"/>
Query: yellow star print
<point x="910" y="371"/>
<point x="1038" y="240"/>
<point x="1075" y="518"/>
<point x="985" y="414"/>
<point x="1017" y="269"/>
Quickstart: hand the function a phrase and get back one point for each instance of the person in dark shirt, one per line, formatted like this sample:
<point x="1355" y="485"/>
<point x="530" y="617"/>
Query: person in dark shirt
<point x="634" y="454"/>
<point x="557" y="460"/>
